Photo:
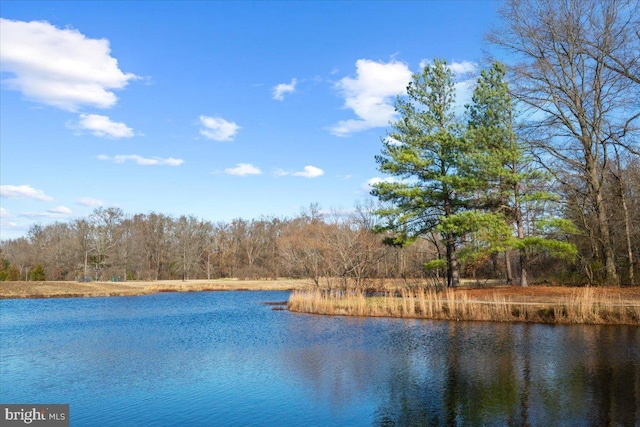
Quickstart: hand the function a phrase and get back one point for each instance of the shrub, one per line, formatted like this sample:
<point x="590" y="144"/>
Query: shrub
<point x="37" y="274"/>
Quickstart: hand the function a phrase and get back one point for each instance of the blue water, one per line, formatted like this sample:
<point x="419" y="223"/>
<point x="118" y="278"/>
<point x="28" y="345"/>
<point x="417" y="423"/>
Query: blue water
<point x="224" y="358"/>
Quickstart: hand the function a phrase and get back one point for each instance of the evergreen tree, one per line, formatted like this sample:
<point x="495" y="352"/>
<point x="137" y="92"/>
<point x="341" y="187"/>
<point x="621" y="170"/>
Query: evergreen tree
<point x="423" y="153"/>
<point x="37" y="274"/>
<point x="13" y="274"/>
<point x="507" y="181"/>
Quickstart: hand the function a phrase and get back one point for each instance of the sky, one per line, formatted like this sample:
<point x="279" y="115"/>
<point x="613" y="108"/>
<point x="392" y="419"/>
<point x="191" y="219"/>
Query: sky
<point x="219" y="110"/>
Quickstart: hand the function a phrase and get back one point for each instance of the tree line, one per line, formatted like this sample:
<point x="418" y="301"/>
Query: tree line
<point x="329" y="248"/>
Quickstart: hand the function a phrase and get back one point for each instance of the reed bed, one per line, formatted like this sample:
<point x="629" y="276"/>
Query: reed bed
<point x="581" y="306"/>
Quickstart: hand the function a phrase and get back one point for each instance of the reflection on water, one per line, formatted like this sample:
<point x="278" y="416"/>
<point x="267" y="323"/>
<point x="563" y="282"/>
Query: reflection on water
<point x="225" y="359"/>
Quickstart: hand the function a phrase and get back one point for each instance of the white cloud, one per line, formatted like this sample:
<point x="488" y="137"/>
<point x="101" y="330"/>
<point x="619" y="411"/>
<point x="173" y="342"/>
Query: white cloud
<point x="4" y="213"/>
<point x="90" y="202"/>
<point x="218" y="129"/>
<point x="60" y="210"/>
<point x="142" y="161"/>
<point x="23" y="191"/>
<point x="57" y="212"/>
<point x="392" y="141"/>
<point x="464" y="67"/>
<point x="306" y="172"/>
<point x="371" y="94"/>
<point x="59" y="67"/>
<point x="103" y="126"/>
<point x="280" y="90"/>
<point x="310" y="172"/>
<point x="424" y="63"/>
<point x="242" y="169"/>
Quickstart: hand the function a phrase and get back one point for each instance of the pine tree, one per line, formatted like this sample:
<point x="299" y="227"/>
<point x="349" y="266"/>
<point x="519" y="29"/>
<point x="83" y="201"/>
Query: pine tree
<point x="422" y="153"/>
<point x="505" y="175"/>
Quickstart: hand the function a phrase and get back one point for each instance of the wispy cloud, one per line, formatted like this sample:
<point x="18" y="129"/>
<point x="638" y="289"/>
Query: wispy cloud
<point x="60" y="210"/>
<point x="243" y="169"/>
<point x="7" y="223"/>
<point x="218" y="129"/>
<point x="102" y="126"/>
<point x="90" y="202"/>
<point x="306" y="172"/>
<point x="283" y="88"/>
<point x="371" y="94"/>
<point x="23" y="191"/>
<point x="142" y="161"/>
<point x="57" y="212"/>
<point x="59" y="67"/>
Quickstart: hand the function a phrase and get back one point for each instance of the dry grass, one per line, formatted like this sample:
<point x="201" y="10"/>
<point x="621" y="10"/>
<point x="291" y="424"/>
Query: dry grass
<point x="130" y="288"/>
<point x="571" y="305"/>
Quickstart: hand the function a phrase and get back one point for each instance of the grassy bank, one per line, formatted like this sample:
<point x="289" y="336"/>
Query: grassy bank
<point x="505" y="304"/>
<point x="130" y="288"/>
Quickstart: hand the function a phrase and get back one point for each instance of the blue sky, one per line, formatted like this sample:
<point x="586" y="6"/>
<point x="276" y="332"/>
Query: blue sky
<point x="216" y="109"/>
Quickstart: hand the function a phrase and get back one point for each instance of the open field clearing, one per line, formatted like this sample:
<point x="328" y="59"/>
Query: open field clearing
<point x="101" y="289"/>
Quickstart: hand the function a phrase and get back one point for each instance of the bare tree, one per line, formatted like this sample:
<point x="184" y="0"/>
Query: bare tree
<point x="303" y="247"/>
<point x="577" y="70"/>
<point x="191" y="237"/>
<point x="105" y="235"/>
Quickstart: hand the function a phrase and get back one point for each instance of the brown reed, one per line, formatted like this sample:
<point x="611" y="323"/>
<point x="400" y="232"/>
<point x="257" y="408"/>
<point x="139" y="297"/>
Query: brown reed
<point x="582" y="306"/>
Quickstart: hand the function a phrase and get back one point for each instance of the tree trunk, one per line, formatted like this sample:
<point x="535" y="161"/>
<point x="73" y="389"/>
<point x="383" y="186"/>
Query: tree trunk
<point x="603" y="226"/>
<point x="520" y="228"/>
<point x="523" y="268"/>
<point x="507" y="261"/>
<point x="453" y="275"/>
<point x="625" y="212"/>
<point x="627" y="230"/>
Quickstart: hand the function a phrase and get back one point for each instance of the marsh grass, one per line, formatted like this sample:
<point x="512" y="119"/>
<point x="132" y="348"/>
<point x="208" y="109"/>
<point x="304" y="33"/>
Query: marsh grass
<point x="582" y="306"/>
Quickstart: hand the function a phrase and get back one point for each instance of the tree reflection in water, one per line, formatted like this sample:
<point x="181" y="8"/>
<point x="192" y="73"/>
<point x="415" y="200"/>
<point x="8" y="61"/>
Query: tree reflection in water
<point x="426" y="373"/>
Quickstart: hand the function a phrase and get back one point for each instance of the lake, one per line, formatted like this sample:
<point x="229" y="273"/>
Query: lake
<point x="225" y="358"/>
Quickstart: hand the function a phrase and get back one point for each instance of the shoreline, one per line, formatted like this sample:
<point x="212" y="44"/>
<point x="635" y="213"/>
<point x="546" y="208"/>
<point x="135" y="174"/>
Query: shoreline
<point x="533" y="304"/>
<point x="69" y="289"/>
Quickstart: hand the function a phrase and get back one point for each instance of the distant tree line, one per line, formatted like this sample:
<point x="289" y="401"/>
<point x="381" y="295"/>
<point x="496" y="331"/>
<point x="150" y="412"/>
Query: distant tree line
<point x="331" y="249"/>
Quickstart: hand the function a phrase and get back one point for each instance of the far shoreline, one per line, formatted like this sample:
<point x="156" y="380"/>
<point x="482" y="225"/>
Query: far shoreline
<point x="72" y="289"/>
